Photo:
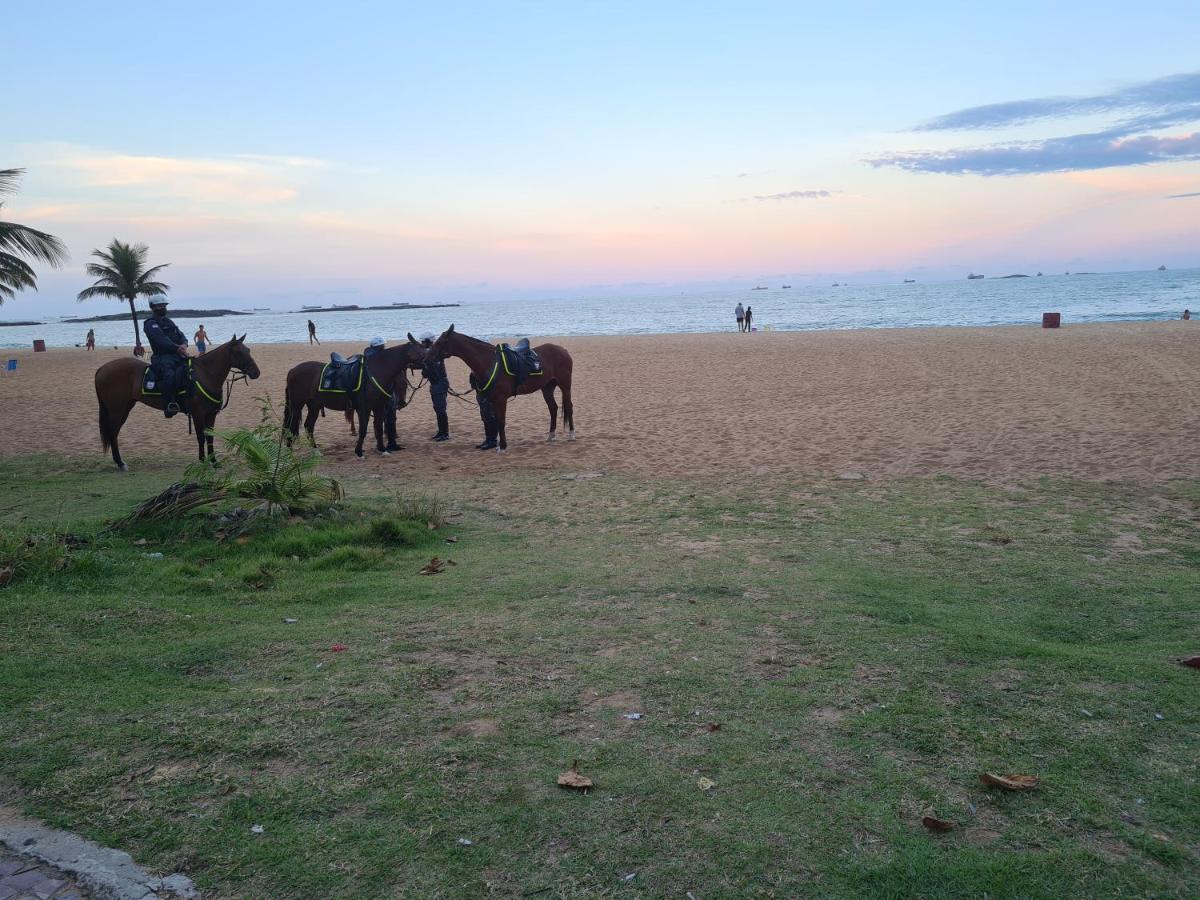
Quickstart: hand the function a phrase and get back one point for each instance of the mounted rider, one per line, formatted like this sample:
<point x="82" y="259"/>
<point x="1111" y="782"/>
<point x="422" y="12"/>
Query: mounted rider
<point x="169" y="354"/>
<point x="434" y="371"/>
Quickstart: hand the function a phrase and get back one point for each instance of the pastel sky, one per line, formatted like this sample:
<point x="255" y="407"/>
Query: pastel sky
<point x="280" y="152"/>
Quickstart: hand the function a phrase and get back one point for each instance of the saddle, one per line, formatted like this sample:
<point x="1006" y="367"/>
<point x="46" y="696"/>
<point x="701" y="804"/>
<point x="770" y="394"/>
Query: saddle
<point x="342" y="375"/>
<point x="185" y="381"/>
<point x="520" y="361"/>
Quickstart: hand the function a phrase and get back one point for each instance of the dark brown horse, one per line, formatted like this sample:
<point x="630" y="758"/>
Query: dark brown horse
<point x="386" y="373"/>
<point x="483" y="360"/>
<point x="119" y="389"/>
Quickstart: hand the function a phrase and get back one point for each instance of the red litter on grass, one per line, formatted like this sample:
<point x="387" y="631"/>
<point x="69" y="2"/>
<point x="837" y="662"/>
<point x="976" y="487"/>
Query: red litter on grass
<point x="338" y="648"/>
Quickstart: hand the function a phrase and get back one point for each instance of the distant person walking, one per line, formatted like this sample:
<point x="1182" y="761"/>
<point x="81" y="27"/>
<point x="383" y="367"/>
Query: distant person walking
<point x="749" y="317"/>
<point x="201" y="339"/>
<point x="740" y="315"/>
<point x="91" y="339"/>
<point x="1187" y="314"/>
<point x="312" y="332"/>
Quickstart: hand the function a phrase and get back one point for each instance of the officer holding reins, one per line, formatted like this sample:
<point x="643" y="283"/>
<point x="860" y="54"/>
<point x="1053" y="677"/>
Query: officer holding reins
<point x="439" y="387"/>
<point x="168" y="355"/>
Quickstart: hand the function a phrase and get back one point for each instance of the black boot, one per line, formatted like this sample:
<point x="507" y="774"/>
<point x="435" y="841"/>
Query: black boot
<point x="440" y="436"/>
<point x="489" y="444"/>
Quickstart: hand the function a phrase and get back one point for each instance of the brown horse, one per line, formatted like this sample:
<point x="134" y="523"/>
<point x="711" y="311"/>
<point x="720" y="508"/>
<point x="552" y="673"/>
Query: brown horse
<point x="119" y="389"/>
<point x="483" y="360"/>
<point x="386" y="372"/>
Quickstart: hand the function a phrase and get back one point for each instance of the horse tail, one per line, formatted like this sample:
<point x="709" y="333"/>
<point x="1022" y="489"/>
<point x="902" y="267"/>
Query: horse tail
<point x="287" y="405"/>
<point x="105" y="427"/>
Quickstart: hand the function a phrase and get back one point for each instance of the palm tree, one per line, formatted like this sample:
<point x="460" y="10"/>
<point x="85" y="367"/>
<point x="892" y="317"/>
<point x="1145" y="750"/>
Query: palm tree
<point x="123" y="276"/>
<point x="17" y="241"/>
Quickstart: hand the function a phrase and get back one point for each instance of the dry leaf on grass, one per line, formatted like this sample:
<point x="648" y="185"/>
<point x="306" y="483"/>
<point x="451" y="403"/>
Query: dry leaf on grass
<point x="1193" y="661"/>
<point x="338" y="648"/>
<point x="1010" y="782"/>
<point x="706" y="784"/>
<point x="6" y="575"/>
<point x="937" y="824"/>
<point x="433" y="567"/>
<point x="572" y="779"/>
<point x="453" y="539"/>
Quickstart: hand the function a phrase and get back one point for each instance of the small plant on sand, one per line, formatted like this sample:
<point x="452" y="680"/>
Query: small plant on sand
<point x="261" y="475"/>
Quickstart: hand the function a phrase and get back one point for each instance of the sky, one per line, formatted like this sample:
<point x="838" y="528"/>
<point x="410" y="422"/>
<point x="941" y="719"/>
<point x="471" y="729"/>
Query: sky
<point x="284" y="153"/>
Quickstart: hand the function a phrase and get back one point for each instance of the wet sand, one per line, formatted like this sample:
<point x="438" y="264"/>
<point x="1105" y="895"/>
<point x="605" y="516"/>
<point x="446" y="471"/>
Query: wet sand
<point x="1114" y="401"/>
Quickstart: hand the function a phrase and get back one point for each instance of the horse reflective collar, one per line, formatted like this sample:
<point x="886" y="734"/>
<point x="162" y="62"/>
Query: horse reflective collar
<point x="196" y="381"/>
<point x="502" y="354"/>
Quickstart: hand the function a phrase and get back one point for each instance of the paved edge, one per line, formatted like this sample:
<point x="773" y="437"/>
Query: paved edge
<point x="108" y="874"/>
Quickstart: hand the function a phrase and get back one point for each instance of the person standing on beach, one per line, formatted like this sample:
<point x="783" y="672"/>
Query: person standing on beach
<point x="439" y="387"/>
<point x="312" y="332"/>
<point x="749" y="316"/>
<point x="201" y="338"/>
<point x="91" y="339"/>
<point x="1187" y="314"/>
<point x="389" y="417"/>
<point x="740" y="315"/>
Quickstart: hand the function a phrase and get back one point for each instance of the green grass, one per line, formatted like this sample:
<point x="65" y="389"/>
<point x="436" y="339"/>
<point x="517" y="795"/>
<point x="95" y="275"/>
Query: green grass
<point x="866" y="648"/>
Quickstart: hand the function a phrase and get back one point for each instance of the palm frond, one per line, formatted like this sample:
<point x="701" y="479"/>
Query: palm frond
<point x="9" y="179"/>
<point x="33" y="243"/>
<point x="100" y="290"/>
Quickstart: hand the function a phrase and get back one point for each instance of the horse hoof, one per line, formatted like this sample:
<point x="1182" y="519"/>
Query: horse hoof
<point x="571" y="436"/>
<point x="501" y="450"/>
<point x="384" y="453"/>
<point x="122" y="468"/>
<point x="550" y="438"/>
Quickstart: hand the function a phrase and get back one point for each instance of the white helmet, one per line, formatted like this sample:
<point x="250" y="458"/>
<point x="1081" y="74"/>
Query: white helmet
<point x="377" y="341"/>
<point x="427" y="336"/>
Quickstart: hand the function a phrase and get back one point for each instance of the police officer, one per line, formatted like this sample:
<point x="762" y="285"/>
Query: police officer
<point x="168" y="355"/>
<point x="389" y="419"/>
<point x="487" y="415"/>
<point x="439" y="386"/>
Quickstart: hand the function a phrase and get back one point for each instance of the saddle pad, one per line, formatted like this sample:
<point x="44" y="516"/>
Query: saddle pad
<point x="150" y="381"/>
<point x="342" y="379"/>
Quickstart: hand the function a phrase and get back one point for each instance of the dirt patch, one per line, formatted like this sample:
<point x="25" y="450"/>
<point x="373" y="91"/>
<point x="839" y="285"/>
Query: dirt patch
<point x="477" y="728"/>
<point x="828" y="715"/>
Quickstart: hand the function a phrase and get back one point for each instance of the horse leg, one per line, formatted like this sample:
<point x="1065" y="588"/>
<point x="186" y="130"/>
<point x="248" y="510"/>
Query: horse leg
<point x="568" y="410"/>
<point x="350" y="419"/>
<point x="310" y="421"/>
<point x="377" y="414"/>
<point x="548" y="393"/>
<point x="210" y="424"/>
<point x="198" y="418"/>
<point x="111" y="421"/>
<point x="363" y="417"/>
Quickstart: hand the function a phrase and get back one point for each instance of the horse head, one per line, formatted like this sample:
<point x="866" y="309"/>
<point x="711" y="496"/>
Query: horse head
<point x="240" y="358"/>
<point x="440" y="348"/>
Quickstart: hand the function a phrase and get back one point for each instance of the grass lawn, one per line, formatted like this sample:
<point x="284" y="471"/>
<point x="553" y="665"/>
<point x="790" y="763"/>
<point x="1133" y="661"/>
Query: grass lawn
<point x="867" y="649"/>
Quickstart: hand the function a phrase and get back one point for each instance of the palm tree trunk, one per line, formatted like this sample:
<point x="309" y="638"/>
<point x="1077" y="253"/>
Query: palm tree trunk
<point x="137" y="337"/>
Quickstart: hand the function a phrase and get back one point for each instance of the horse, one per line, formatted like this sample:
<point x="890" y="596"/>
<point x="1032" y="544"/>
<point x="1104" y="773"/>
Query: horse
<point x="385" y="370"/>
<point x="483" y="360"/>
<point x="119" y="389"/>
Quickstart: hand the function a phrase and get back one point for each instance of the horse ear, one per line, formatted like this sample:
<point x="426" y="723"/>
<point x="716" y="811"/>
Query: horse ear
<point x="411" y="339"/>
<point x="450" y="330"/>
<point x="242" y="339"/>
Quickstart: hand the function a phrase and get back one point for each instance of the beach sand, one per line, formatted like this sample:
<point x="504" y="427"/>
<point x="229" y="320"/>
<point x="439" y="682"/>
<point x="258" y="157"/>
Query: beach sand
<point x="1113" y="401"/>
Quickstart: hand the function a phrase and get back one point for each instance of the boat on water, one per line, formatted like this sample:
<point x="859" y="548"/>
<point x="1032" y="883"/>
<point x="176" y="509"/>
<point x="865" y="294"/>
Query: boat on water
<point x="910" y="281"/>
<point x="761" y="287"/>
<point x="786" y="287"/>
<point x="260" y="309"/>
<point x="973" y="277"/>
<point x="1162" y="268"/>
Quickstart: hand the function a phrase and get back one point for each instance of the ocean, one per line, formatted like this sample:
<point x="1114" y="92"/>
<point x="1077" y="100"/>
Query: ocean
<point x="1103" y="297"/>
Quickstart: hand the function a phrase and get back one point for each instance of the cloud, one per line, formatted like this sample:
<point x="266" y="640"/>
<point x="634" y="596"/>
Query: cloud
<point x="796" y="195"/>
<point x="1171" y="100"/>
<point x="1181" y="196"/>
<point x="1147" y="107"/>
<point x="245" y="180"/>
<point x="1066" y="154"/>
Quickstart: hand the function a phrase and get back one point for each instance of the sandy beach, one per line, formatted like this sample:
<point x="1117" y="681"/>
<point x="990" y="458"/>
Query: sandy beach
<point x="1112" y="401"/>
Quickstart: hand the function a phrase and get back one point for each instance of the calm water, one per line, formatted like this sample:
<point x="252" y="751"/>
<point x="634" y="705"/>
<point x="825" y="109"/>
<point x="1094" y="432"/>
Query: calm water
<point x="1126" y="296"/>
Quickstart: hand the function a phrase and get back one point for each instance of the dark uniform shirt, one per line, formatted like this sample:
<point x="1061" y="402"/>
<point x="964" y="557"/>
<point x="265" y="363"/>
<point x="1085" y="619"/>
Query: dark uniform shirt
<point x="164" y="336"/>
